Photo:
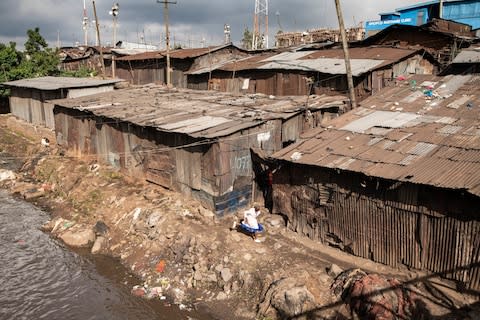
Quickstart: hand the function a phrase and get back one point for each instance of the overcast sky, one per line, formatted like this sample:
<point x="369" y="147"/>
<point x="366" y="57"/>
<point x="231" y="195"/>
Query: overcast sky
<point x="192" y="22"/>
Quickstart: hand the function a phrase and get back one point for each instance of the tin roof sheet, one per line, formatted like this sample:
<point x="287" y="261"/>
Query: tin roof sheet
<point x="323" y="65"/>
<point x="420" y="140"/>
<point x="176" y="54"/>
<point x="200" y="114"/>
<point x="55" y="83"/>
<point x="468" y="56"/>
<point x="329" y="61"/>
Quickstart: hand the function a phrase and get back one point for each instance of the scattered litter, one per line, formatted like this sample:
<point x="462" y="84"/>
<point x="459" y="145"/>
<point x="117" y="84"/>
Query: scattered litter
<point x="94" y="167"/>
<point x="160" y="267"/>
<point x="373" y="296"/>
<point x="136" y="213"/>
<point x="296" y="156"/>
<point x="45" y="142"/>
<point x="347" y="138"/>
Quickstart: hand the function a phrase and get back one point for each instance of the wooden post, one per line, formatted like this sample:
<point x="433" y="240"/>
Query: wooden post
<point x="165" y="18"/>
<point x="348" y="68"/>
<point x="98" y="37"/>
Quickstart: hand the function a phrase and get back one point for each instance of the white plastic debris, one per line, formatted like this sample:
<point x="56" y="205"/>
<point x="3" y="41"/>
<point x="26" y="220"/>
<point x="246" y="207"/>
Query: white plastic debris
<point x="296" y="156"/>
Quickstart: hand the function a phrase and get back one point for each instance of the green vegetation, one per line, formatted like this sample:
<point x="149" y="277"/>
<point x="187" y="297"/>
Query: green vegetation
<point x="38" y="60"/>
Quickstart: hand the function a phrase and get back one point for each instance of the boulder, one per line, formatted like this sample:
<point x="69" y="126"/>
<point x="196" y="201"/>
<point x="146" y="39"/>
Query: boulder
<point x="100" y="228"/>
<point x="226" y="274"/>
<point x="334" y="270"/>
<point x="288" y="298"/>
<point x="275" y="221"/>
<point x="81" y="238"/>
<point x="7" y="175"/>
<point x="155" y="219"/>
<point x="99" y="245"/>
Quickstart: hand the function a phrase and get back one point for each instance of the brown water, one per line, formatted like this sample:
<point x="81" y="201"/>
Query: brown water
<point x="41" y="279"/>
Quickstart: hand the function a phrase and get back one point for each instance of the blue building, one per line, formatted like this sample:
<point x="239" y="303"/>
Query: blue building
<point x="462" y="11"/>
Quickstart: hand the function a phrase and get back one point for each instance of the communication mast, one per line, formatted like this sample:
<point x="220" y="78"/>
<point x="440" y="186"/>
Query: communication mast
<point x="226" y="31"/>
<point x="260" y="25"/>
<point x="85" y="24"/>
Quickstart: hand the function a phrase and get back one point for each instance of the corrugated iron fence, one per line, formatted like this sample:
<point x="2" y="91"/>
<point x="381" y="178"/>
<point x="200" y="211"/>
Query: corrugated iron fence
<point x="391" y="225"/>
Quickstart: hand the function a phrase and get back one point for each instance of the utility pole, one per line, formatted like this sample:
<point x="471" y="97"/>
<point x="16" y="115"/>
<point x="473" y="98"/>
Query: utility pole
<point x="98" y="37"/>
<point x="114" y="14"/>
<point x="348" y="68"/>
<point x="167" y="38"/>
<point x="440" y="14"/>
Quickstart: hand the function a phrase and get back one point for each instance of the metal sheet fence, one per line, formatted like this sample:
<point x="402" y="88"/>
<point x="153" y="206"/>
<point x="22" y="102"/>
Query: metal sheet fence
<point x="391" y="232"/>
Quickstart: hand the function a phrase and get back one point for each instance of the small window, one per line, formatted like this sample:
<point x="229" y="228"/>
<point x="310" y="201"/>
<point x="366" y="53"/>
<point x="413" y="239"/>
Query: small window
<point x="420" y="16"/>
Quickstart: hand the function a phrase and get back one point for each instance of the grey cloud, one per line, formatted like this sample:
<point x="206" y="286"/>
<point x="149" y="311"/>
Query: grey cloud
<point x="189" y="19"/>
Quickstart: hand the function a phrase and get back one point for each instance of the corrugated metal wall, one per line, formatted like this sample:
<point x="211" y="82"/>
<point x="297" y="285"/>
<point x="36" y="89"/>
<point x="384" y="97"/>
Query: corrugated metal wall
<point x="29" y="105"/>
<point x="390" y="223"/>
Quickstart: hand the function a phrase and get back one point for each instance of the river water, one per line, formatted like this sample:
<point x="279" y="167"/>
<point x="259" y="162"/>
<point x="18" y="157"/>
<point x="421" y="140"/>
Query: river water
<point x="42" y="279"/>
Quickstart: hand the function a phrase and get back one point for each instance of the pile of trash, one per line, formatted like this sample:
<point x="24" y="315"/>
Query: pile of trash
<point x="372" y="296"/>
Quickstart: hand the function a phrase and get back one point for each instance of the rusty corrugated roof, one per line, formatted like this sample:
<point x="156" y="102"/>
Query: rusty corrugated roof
<point x="326" y="61"/>
<point x="200" y="114"/>
<point x="424" y="130"/>
<point x="175" y="54"/>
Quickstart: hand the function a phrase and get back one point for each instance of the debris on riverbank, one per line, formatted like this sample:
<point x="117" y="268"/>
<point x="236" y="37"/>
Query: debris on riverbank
<point x="181" y="251"/>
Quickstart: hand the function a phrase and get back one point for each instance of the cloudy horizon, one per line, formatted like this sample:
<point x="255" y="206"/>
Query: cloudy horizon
<point x="192" y="23"/>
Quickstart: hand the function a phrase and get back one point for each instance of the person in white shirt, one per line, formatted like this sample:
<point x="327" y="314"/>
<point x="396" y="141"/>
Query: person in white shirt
<point x="250" y="220"/>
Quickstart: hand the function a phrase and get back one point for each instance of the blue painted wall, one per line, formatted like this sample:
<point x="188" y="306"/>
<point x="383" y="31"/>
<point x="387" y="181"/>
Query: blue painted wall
<point x="467" y="11"/>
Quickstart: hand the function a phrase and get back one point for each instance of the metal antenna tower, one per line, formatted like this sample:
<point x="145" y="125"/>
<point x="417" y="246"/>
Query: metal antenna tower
<point x="85" y="24"/>
<point x="260" y="19"/>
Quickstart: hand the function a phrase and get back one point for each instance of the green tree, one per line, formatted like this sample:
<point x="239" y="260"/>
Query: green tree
<point x="39" y="60"/>
<point x="10" y="59"/>
<point x="35" y="42"/>
<point x="247" y="39"/>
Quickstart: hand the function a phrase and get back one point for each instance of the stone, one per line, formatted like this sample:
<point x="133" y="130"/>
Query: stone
<point x="277" y="246"/>
<point x="7" y="175"/>
<point x="275" y="221"/>
<point x="298" y="300"/>
<point x="100" y="228"/>
<point x="198" y="276"/>
<point x="247" y="257"/>
<point x="221" y="296"/>
<point x="82" y="238"/>
<point x="334" y="270"/>
<point x="260" y="250"/>
<point x="206" y="213"/>
<point x="324" y="278"/>
<point x="34" y="194"/>
<point x="177" y="295"/>
<point x="212" y="277"/>
<point x="155" y="219"/>
<point x="98" y="245"/>
<point x="226" y="274"/>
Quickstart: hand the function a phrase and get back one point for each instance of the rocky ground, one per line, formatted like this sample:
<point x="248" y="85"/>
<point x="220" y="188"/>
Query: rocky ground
<point x="184" y="253"/>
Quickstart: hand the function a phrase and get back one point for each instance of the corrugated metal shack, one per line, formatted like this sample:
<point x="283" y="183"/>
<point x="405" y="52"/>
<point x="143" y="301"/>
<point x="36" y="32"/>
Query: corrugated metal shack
<point x="466" y="62"/>
<point x="150" y="67"/>
<point x="76" y="58"/>
<point x="317" y="71"/>
<point x="197" y="142"/>
<point x="396" y="180"/>
<point x="441" y="38"/>
<point x="29" y="98"/>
